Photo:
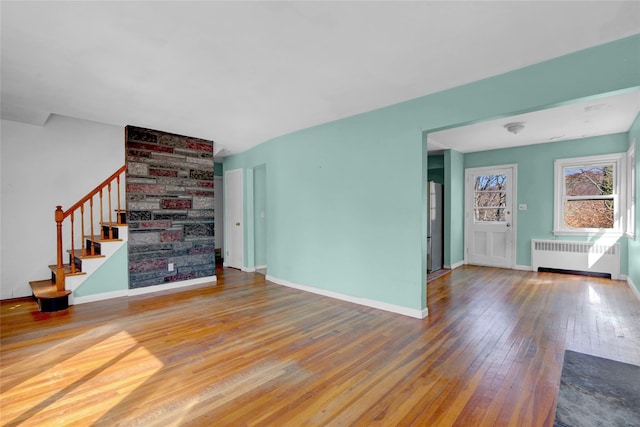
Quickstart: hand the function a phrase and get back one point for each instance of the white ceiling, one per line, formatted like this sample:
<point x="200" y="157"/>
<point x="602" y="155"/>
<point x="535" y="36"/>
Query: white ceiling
<point x="241" y="73"/>
<point x="601" y="116"/>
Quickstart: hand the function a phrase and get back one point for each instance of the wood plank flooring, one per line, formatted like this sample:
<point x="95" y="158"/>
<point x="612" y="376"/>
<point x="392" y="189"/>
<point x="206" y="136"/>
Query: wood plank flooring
<point x="249" y="352"/>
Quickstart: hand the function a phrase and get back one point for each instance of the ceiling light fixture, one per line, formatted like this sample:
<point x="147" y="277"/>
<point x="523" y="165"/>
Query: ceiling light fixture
<point x="514" y="127"/>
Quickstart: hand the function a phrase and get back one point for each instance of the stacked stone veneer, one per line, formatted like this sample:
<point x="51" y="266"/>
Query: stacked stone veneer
<point x="169" y="207"/>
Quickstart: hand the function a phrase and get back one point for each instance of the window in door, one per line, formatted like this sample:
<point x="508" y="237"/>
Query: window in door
<point x="490" y="198"/>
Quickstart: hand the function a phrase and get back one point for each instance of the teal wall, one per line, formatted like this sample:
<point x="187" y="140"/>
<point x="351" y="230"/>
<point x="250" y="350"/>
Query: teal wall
<point x="634" y="245"/>
<point x="346" y="199"/>
<point x="536" y="184"/>
<point x="217" y="169"/>
<point x="453" y="207"/>
<point x="111" y="276"/>
<point x="436" y="168"/>
<point x="260" y="214"/>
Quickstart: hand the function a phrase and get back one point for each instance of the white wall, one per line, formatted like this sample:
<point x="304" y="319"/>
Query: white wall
<point x="41" y="167"/>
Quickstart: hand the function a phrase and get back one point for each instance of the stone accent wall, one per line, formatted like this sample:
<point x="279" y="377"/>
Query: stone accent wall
<point x="169" y="207"/>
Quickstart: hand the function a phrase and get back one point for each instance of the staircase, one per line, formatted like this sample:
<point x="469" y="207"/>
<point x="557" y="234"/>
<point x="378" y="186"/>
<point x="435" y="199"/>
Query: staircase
<point x="100" y="238"/>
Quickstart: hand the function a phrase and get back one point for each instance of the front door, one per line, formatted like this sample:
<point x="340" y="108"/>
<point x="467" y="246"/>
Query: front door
<point x="233" y="222"/>
<point x="489" y="219"/>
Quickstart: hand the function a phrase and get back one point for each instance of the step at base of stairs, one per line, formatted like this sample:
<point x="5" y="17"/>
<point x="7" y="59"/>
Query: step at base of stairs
<point x="49" y="299"/>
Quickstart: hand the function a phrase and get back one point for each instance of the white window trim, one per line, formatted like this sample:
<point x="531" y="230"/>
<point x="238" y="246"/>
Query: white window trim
<point x="630" y="226"/>
<point x="619" y="195"/>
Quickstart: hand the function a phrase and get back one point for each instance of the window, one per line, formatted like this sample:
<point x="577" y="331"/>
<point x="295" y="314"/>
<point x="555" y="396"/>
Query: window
<point x="490" y="197"/>
<point x="588" y="195"/>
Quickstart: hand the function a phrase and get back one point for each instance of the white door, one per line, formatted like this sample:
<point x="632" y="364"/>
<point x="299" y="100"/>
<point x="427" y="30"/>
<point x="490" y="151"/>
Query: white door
<point x="233" y="223"/>
<point x="489" y="219"/>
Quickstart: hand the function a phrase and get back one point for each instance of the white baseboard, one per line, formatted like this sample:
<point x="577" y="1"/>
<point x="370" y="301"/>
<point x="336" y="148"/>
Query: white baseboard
<point x="140" y="291"/>
<point x="522" y="267"/>
<point x="635" y="290"/>
<point x="98" y="297"/>
<point x="418" y="314"/>
<point x="174" y="285"/>
<point x="454" y="266"/>
<point x="253" y="269"/>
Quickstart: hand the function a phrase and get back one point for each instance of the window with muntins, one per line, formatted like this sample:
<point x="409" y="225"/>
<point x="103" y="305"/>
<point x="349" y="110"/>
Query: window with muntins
<point x="490" y="196"/>
<point x="588" y="195"/>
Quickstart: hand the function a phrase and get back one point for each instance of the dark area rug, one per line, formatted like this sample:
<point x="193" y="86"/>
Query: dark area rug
<point x="597" y="392"/>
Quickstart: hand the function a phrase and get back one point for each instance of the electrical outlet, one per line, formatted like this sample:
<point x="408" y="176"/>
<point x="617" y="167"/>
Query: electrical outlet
<point x="170" y="266"/>
<point x="522" y="207"/>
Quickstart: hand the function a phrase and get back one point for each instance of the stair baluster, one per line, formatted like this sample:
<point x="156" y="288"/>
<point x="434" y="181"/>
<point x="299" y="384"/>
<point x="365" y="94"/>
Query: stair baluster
<point x="101" y="209"/>
<point x="93" y="244"/>
<point x="110" y="222"/>
<point x="73" y="248"/>
<point x="83" y="250"/>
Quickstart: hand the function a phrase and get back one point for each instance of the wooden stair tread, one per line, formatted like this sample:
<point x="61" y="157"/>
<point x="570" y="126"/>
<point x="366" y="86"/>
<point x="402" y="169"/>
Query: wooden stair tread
<point x="46" y="289"/>
<point x="67" y="270"/>
<point x="77" y="253"/>
<point x="113" y="224"/>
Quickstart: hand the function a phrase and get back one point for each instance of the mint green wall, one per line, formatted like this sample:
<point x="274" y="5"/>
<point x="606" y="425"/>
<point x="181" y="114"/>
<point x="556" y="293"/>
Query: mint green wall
<point x="535" y="184"/>
<point x="634" y="245"/>
<point x="347" y="211"/>
<point x="453" y="207"/>
<point x="111" y="276"/>
<point x="217" y="169"/>
<point x="249" y="223"/>
<point x="260" y="214"/>
<point x="436" y="168"/>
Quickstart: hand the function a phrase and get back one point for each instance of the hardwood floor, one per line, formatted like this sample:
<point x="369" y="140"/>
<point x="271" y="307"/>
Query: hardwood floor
<point x="248" y="352"/>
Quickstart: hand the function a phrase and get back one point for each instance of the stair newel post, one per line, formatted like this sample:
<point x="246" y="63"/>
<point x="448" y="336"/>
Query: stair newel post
<point x="110" y="221"/>
<point x="93" y="248"/>
<point x="59" y="217"/>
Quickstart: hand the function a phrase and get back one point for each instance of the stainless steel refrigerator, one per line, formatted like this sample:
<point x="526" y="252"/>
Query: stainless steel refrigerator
<point x="435" y="227"/>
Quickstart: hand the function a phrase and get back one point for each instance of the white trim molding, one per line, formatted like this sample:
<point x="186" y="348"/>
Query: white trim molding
<point x="522" y="267"/>
<point x="405" y="311"/>
<point x="99" y="297"/>
<point x="169" y="286"/>
<point x="140" y="291"/>
<point x="455" y="265"/>
<point x="619" y="192"/>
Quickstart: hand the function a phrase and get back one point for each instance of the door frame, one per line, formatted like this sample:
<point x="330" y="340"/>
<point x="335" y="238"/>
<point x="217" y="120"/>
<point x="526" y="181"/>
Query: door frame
<point x="227" y="222"/>
<point x="468" y="210"/>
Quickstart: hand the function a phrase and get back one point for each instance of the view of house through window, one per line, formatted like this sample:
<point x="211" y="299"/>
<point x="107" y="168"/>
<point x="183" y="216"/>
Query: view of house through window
<point x="490" y="198"/>
<point x="589" y="199"/>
